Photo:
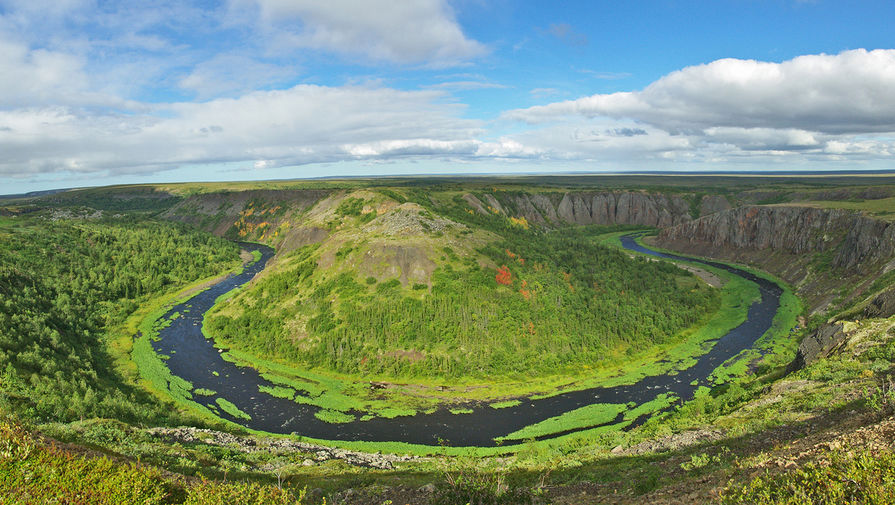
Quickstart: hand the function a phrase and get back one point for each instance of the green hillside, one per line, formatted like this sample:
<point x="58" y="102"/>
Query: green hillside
<point x="67" y="287"/>
<point x="444" y="299"/>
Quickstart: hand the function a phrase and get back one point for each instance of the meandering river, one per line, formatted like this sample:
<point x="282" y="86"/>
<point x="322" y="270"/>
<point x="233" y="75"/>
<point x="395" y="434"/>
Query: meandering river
<point x="194" y="358"/>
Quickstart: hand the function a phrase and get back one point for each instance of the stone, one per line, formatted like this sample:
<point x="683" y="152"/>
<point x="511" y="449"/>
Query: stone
<point x="819" y="344"/>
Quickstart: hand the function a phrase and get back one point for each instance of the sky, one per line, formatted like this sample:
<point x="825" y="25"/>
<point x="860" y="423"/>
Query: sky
<point x="104" y="92"/>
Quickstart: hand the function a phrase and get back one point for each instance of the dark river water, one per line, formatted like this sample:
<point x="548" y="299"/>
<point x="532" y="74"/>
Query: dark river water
<point x="195" y="359"/>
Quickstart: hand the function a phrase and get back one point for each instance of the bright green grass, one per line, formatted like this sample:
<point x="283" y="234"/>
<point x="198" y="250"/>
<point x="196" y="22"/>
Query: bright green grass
<point x="848" y="478"/>
<point x="333" y="416"/>
<point x="232" y="409"/>
<point x="31" y="472"/>
<point x="277" y="391"/>
<point x="590" y="415"/>
<point x="505" y="404"/>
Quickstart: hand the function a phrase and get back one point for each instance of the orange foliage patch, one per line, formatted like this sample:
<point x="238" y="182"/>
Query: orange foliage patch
<point x="525" y="292"/>
<point x="504" y="276"/>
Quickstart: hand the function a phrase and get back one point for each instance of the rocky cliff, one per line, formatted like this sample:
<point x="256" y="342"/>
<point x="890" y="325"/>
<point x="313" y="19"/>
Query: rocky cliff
<point x="223" y="213"/>
<point x="826" y="254"/>
<point x="854" y="241"/>
<point x="605" y="208"/>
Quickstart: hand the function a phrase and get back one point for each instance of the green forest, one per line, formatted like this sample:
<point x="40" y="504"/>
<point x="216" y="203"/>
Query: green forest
<point x="556" y="301"/>
<point x="63" y="285"/>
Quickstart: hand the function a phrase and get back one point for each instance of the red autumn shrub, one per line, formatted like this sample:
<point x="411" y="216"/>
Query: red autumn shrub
<point x="504" y="276"/>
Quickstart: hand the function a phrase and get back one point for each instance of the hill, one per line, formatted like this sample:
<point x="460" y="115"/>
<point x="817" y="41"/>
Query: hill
<point x="396" y="291"/>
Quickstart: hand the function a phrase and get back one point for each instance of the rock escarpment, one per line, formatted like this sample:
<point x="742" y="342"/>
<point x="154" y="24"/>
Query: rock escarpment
<point x="854" y="241"/>
<point x="712" y="204"/>
<point x="603" y="208"/>
<point x="827" y="254"/>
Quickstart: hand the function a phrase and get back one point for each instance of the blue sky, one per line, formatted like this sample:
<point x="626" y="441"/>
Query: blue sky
<point x="102" y="92"/>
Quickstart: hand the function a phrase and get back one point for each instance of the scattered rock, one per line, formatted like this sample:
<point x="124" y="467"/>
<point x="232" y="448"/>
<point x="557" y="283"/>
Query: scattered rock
<point x="264" y="444"/>
<point x="672" y="442"/>
<point x="428" y="488"/>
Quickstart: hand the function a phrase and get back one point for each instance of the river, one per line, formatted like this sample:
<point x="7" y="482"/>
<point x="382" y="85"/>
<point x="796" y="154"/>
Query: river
<point x="194" y="358"/>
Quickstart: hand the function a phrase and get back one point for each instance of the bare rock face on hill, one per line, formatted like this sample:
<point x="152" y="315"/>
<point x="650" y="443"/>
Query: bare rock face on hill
<point x="217" y="212"/>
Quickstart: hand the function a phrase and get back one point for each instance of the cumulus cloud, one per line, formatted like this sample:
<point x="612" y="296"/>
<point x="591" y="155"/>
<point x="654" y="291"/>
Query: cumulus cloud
<point x="850" y="92"/>
<point x="815" y="105"/>
<point x="303" y="124"/>
<point x="38" y="76"/>
<point x="407" y="32"/>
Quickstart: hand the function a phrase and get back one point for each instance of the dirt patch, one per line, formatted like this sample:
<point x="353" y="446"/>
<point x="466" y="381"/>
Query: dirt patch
<point x="707" y="277"/>
<point x="412" y="356"/>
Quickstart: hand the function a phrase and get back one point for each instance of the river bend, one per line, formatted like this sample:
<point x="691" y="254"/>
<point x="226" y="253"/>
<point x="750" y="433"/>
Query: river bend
<point x="194" y="358"/>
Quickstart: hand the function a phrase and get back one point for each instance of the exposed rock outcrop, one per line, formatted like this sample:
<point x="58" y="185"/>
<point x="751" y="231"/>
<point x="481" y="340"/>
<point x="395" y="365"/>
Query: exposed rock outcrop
<point x="830" y="256"/>
<point x="854" y="239"/>
<point x="819" y="344"/>
<point x="881" y="306"/>
<point x="712" y="204"/>
<point x="607" y="208"/>
<point x="217" y="212"/>
<point x="475" y="203"/>
<point x="494" y="203"/>
<point x="249" y="444"/>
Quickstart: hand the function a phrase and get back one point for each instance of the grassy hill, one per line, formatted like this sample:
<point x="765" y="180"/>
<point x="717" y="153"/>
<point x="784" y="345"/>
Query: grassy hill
<point x="398" y="291"/>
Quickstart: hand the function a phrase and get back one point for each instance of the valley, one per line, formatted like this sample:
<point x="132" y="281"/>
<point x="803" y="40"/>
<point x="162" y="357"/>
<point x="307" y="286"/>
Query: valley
<point x="524" y="338"/>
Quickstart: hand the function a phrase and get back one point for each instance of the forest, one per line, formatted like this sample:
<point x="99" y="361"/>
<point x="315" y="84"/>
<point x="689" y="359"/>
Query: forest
<point x="64" y="285"/>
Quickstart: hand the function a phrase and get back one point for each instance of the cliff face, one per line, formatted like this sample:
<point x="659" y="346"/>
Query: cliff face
<point x="830" y="256"/>
<point x="605" y="208"/>
<point x="221" y="212"/>
<point x="855" y="241"/>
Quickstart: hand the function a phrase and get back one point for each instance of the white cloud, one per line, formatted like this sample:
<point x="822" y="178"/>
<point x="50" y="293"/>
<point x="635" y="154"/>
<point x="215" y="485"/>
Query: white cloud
<point x="847" y="93"/>
<point x="407" y="32"/>
<point x="303" y="124"/>
<point x="228" y="74"/>
<point x="38" y="76"/>
<point x="816" y="107"/>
